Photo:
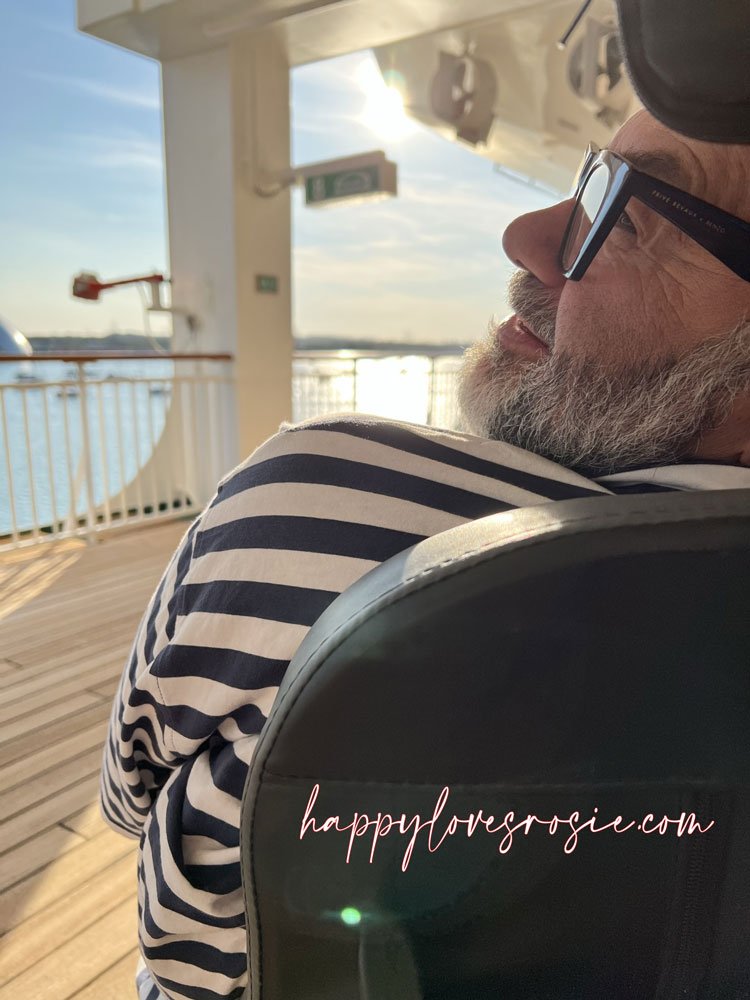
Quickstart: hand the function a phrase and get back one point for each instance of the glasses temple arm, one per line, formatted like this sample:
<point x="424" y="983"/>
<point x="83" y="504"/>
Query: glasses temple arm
<point x="722" y="234"/>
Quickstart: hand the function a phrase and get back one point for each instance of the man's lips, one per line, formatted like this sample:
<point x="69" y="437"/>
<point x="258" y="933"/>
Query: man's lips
<point x="515" y="336"/>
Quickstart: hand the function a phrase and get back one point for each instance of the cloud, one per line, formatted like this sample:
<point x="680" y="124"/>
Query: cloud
<point x="106" y="152"/>
<point x="461" y="198"/>
<point x="119" y="153"/>
<point x="450" y="216"/>
<point x="146" y="100"/>
<point x="310" y="127"/>
<point x="367" y="268"/>
<point x="455" y="315"/>
<point x="33" y="235"/>
<point x="85" y="154"/>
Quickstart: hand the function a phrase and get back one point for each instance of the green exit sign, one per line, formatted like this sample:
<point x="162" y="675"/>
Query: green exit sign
<point x="367" y="182"/>
<point x="266" y="283"/>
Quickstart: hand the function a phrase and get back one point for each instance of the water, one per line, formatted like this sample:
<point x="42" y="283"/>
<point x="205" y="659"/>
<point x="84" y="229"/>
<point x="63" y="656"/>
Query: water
<point x="42" y="486"/>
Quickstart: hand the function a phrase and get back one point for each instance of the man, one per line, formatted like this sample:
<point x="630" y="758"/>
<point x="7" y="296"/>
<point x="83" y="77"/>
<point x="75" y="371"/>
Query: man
<point x="632" y="376"/>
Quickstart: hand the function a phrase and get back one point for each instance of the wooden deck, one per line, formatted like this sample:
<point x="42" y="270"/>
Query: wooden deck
<point x="68" y="615"/>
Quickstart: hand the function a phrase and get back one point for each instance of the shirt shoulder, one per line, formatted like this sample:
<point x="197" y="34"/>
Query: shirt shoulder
<point x="437" y="454"/>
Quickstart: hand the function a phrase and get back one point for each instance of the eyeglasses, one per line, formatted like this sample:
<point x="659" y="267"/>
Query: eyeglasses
<point x="604" y="184"/>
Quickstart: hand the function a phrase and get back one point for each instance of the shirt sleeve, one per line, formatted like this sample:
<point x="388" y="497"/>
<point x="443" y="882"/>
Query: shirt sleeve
<point x="209" y="655"/>
<point x="182" y="732"/>
<point x="137" y="756"/>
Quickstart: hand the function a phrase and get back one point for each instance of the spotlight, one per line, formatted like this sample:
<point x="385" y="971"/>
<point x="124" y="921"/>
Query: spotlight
<point x="463" y="93"/>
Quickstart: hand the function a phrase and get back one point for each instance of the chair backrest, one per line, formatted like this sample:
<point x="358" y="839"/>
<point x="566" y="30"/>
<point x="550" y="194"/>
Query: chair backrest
<point x="588" y="659"/>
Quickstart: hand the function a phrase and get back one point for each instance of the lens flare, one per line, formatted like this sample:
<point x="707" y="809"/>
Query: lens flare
<point x="384" y="111"/>
<point x="351" y="916"/>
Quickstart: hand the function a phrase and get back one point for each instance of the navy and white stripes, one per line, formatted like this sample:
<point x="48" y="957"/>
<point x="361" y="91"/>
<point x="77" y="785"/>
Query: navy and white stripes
<point x="312" y="510"/>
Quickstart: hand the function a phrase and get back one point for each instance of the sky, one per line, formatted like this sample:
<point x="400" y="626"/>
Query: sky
<point x="82" y="188"/>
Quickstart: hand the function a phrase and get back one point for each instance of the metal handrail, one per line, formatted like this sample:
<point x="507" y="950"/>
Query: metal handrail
<point x="75" y="357"/>
<point x="403" y="351"/>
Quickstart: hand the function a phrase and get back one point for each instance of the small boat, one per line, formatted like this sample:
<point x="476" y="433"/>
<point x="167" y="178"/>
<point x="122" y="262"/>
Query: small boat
<point x="68" y="390"/>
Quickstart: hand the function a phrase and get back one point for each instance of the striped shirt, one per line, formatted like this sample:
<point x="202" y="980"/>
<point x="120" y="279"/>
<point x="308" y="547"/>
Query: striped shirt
<point x="314" y="508"/>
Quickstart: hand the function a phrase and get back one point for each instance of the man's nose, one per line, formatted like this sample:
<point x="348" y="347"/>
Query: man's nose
<point x="532" y="241"/>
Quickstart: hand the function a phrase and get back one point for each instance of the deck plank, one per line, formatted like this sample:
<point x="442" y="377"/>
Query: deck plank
<point x="59" y="710"/>
<point x="62" y="921"/>
<point x="34" y="854"/>
<point x="66" y="681"/>
<point x="21" y="771"/>
<point x="80" y="639"/>
<point x="109" y="595"/>
<point x="108" y="689"/>
<point x="68" y="906"/>
<point x="54" y="809"/>
<point x="32" y="741"/>
<point x="72" y="966"/>
<point x="61" y="877"/>
<point x="114" y="984"/>
<point x="30" y="793"/>
<point x="97" y="652"/>
<point x="88" y="582"/>
<point x="86" y="822"/>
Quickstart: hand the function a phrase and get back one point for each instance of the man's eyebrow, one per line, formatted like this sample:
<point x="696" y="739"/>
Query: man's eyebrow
<point x="661" y="164"/>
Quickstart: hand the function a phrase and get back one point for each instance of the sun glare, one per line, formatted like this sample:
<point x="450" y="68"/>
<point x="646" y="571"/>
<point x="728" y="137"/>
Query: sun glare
<point x="384" y="110"/>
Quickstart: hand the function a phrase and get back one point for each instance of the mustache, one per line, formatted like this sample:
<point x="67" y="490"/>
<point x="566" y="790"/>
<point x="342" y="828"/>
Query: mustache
<point x="535" y="304"/>
<point x="597" y="419"/>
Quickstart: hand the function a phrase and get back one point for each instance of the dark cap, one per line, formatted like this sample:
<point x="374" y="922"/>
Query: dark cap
<point x="689" y="62"/>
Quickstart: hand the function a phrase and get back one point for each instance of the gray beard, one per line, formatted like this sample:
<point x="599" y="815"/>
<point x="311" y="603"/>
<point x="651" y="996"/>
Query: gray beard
<point x="599" y="420"/>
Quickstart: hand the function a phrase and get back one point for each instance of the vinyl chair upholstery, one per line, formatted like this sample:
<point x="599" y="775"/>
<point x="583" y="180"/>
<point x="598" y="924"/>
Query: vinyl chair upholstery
<point x="588" y="656"/>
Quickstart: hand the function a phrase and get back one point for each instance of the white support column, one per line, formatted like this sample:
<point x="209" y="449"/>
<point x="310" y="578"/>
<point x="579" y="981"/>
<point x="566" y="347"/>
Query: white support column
<point x="218" y="127"/>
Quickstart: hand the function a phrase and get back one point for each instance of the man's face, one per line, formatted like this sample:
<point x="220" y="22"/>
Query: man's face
<point x="646" y="359"/>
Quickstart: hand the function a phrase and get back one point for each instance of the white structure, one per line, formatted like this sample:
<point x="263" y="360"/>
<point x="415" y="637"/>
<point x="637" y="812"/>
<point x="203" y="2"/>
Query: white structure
<point x="12" y="341"/>
<point x="504" y="88"/>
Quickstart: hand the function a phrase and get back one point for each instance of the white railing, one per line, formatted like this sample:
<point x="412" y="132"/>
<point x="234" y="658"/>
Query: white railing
<point x="92" y="442"/>
<point x="419" y="387"/>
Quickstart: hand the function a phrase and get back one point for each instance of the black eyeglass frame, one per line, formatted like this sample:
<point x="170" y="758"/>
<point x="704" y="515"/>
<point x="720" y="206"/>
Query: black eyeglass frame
<point x="724" y="236"/>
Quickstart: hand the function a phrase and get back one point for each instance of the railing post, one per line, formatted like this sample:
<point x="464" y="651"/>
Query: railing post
<point x="9" y="469"/>
<point x="354" y="388"/>
<point x="431" y="393"/>
<point x="86" y="444"/>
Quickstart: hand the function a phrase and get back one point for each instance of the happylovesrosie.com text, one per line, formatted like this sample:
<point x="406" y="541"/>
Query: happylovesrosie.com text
<point x="439" y="828"/>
